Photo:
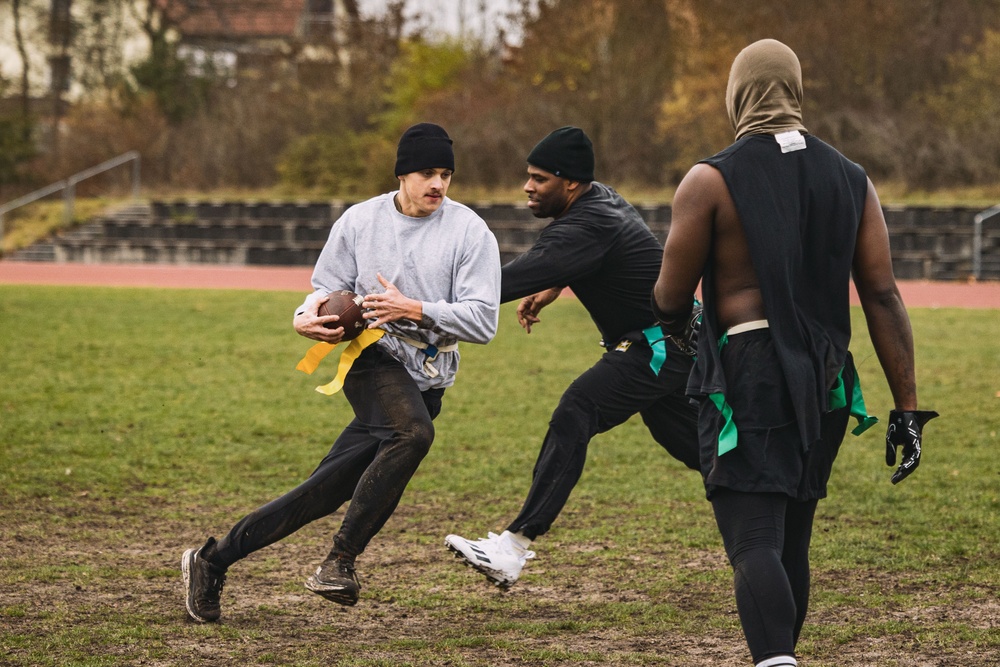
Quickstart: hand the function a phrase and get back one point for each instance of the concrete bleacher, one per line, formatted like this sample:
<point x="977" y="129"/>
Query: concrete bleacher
<point x="934" y="243"/>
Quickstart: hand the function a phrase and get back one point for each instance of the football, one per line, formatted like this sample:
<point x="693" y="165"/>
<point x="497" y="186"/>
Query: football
<point x="347" y="305"/>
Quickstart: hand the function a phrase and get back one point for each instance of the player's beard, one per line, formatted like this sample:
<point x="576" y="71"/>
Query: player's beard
<point x="549" y="207"/>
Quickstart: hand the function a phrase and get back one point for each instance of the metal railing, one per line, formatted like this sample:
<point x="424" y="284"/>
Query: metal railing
<point x="977" y="239"/>
<point x="68" y="186"/>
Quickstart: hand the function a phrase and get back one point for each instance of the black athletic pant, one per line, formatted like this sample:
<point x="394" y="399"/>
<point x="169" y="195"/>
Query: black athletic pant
<point x="370" y="464"/>
<point x="767" y="539"/>
<point x="618" y="386"/>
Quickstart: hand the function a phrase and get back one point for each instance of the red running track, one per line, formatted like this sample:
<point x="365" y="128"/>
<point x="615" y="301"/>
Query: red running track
<point x="916" y="294"/>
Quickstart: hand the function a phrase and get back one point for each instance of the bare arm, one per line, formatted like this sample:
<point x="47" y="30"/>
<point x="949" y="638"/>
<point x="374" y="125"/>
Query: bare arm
<point x="888" y="322"/>
<point x="690" y="238"/>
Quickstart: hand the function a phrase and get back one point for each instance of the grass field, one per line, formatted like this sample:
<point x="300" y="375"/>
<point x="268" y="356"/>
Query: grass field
<point x="136" y="422"/>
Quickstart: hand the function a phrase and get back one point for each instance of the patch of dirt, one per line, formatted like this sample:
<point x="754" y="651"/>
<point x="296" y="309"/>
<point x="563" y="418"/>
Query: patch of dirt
<point x="114" y="584"/>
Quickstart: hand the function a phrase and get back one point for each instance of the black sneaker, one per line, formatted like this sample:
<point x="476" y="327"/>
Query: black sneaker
<point x="337" y="581"/>
<point x="203" y="583"/>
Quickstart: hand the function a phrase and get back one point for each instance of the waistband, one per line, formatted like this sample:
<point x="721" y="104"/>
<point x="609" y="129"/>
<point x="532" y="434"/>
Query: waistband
<point x="430" y="352"/>
<point x="752" y="325"/>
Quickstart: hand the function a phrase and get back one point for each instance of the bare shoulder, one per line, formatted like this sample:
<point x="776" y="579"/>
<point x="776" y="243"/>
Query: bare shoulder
<point x="701" y="180"/>
<point x="702" y="193"/>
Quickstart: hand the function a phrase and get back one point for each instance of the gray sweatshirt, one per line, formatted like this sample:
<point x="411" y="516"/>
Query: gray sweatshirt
<point x="448" y="260"/>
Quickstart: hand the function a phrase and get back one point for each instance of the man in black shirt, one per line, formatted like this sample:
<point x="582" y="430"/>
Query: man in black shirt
<point x="599" y="247"/>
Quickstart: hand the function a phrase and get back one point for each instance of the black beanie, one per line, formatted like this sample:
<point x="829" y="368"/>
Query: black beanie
<point x="566" y="152"/>
<point x="424" y="146"/>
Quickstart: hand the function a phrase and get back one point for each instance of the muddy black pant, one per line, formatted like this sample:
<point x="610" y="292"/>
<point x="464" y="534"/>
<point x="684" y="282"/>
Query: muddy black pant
<point x="370" y="464"/>
<point x="619" y="385"/>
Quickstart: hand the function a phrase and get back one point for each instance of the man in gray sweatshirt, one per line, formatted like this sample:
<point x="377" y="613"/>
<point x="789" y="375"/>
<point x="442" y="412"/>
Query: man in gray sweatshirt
<point x="430" y="271"/>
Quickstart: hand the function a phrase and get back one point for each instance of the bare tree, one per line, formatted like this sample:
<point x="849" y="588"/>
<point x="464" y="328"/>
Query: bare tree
<point x="25" y="65"/>
<point x="60" y="38"/>
<point x="100" y="35"/>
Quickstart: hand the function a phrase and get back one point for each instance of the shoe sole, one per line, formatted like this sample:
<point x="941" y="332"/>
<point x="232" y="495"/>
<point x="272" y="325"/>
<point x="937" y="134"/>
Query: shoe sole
<point x="186" y="561"/>
<point x="493" y="576"/>
<point x="337" y="594"/>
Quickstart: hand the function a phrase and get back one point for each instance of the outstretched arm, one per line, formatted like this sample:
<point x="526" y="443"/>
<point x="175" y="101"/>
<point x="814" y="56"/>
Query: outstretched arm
<point x="530" y="306"/>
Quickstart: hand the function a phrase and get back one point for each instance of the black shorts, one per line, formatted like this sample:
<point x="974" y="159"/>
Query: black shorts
<point x="769" y="456"/>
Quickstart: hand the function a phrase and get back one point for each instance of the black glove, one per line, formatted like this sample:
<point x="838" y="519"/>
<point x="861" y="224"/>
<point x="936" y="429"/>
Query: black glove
<point x="905" y="429"/>
<point x="688" y="341"/>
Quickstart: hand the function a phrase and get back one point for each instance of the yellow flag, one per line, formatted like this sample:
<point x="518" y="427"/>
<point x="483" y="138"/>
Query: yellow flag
<point x="319" y="351"/>
<point x="315" y="355"/>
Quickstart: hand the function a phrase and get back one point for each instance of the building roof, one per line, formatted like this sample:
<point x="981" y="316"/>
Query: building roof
<point x="235" y="18"/>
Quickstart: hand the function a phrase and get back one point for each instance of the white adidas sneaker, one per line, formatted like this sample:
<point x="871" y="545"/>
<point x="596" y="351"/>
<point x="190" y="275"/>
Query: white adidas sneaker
<point x="496" y="556"/>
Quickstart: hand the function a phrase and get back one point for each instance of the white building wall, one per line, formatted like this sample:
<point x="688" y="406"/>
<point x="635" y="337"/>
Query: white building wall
<point x="132" y="45"/>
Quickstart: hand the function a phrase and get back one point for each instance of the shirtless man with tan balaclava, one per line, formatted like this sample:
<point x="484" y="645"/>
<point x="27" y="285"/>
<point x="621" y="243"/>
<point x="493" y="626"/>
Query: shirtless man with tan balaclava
<point x="773" y="226"/>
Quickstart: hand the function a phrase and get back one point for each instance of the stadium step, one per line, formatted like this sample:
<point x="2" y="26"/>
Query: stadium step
<point x="934" y="243"/>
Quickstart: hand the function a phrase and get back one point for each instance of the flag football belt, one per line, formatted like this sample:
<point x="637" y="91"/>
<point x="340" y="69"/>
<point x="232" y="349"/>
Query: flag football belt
<point x="657" y="342"/>
<point x="836" y="397"/>
<point x="654" y="337"/>
<point x="752" y="325"/>
<point x="431" y="352"/>
<point x="319" y="351"/>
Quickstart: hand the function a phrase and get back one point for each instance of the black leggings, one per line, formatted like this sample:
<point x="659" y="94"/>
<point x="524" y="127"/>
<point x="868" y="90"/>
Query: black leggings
<point x="767" y="540"/>
<point x="620" y="385"/>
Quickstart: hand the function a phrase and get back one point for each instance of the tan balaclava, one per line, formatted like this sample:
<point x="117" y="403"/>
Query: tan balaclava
<point x="764" y="95"/>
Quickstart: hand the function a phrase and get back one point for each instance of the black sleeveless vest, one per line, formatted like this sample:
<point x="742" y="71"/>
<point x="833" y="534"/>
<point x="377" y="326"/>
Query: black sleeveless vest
<point x="800" y="211"/>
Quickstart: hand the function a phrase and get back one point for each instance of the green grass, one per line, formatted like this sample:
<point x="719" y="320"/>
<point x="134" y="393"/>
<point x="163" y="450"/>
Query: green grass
<point x="134" y="422"/>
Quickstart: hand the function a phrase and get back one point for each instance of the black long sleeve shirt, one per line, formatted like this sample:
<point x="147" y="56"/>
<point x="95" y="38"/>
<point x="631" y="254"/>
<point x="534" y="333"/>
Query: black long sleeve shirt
<point x="602" y="250"/>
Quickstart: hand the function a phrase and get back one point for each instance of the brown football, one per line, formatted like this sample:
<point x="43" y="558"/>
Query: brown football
<point x="347" y="305"/>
